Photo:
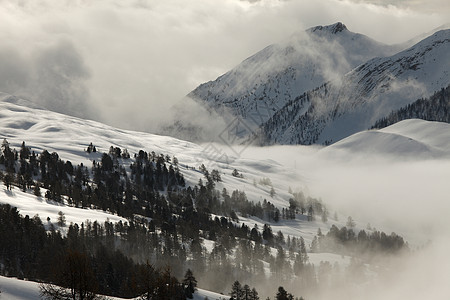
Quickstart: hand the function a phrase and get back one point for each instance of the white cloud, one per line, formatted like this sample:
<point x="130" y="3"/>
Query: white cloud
<point x="138" y="58"/>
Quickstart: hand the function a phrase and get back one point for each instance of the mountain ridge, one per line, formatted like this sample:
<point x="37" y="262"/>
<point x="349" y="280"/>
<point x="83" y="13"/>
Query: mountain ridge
<point x="333" y="28"/>
<point x="367" y="93"/>
<point x="263" y="83"/>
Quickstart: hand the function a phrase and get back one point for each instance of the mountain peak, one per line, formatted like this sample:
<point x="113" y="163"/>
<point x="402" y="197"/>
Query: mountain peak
<point x="334" y="28"/>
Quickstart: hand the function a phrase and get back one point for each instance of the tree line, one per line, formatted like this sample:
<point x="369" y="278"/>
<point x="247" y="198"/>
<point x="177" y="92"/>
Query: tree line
<point x="434" y="108"/>
<point x="168" y="225"/>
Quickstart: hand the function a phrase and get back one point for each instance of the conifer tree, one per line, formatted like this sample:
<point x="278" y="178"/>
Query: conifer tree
<point x="254" y="294"/>
<point x="246" y="292"/>
<point x="189" y="283"/>
<point x="147" y="277"/>
<point x="61" y="219"/>
<point x="236" y="291"/>
<point x="37" y="190"/>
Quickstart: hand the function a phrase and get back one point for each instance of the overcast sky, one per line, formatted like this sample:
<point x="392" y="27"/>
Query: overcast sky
<point x="126" y="62"/>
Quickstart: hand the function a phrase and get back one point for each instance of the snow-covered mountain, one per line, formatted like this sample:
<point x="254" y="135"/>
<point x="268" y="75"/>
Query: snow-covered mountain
<point x="266" y="81"/>
<point x="371" y="91"/>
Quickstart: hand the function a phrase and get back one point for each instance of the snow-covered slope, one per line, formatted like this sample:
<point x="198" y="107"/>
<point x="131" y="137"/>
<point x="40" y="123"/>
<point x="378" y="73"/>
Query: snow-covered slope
<point x="266" y="81"/>
<point x="365" y="190"/>
<point x="15" y="289"/>
<point x="364" y="95"/>
<point x="30" y="205"/>
<point x="70" y="136"/>
<point x="409" y="139"/>
<point x="286" y="167"/>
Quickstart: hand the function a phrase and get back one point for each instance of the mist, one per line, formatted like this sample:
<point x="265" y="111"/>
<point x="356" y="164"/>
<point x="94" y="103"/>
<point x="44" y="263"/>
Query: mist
<point x="406" y="194"/>
<point x="128" y="63"/>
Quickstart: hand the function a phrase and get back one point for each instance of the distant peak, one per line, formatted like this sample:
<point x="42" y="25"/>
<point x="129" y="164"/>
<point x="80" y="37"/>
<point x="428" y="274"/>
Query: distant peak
<point x="334" y="28"/>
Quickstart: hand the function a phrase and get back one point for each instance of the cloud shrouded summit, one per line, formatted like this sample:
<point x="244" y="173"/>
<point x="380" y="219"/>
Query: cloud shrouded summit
<point x="265" y="82"/>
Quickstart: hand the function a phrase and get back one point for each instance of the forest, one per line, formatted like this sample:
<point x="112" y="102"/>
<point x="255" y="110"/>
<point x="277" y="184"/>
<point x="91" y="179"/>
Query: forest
<point x="162" y="245"/>
<point x="434" y="108"/>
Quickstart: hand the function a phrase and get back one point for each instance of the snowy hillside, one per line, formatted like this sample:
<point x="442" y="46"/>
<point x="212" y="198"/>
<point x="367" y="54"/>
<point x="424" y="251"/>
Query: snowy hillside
<point x="30" y="205"/>
<point x="287" y="169"/>
<point x="266" y="81"/>
<point x="411" y="139"/>
<point x="15" y="289"/>
<point x="367" y="93"/>
<point x="70" y="136"/>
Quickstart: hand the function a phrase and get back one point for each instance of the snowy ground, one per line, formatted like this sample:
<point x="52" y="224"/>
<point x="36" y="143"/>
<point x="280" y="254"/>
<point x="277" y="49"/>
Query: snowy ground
<point x="396" y="179"/>
<point x="403" y="159"/>
<point x="15" y="289"/>
<point x="29" y="204"/>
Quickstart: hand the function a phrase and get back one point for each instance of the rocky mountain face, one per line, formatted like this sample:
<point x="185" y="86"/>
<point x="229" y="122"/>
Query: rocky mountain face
<point x="265" y="82"/>
<point x="367" y="93"/>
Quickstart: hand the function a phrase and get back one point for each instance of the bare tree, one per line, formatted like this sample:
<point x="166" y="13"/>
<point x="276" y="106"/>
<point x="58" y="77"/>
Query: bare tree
<point x="147" y="281"/>
<point x="74" y="279"/>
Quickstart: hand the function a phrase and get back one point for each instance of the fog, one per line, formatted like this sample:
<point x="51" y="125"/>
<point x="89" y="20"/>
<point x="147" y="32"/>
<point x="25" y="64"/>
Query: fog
<point x="402" y="194"/>
<point x="407" y="194"/>
<point x="127" y="63"/>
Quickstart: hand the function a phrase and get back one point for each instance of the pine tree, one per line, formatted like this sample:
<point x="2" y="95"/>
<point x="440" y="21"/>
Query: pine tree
<point x="61" y="219"/>
<point x="236" y="291"/>
<point x="37" y="190"/>
<point x="215" y="175"/>
<point x="147" y="281"/>
<point x="254" y="295"/>
<point x="272" y="192"/>
<point x="310" y="213"/>
<point x="24" y="151"/>
<point x="189" y="283"/>
<point x="7" y="181"/>
<point x="350" y="222"/>
<point x="315" y="244"/>
<point x="282" y="294"/>
<point x="302" y="250"/>
<point x="246" y="292"/>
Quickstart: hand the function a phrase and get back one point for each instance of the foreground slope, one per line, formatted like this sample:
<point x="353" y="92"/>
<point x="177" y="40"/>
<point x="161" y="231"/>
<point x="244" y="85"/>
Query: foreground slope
<point x="15" y="289"/>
